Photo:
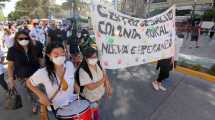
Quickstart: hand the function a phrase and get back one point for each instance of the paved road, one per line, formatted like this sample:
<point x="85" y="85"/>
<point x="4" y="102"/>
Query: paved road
<point x="134" y="99"/>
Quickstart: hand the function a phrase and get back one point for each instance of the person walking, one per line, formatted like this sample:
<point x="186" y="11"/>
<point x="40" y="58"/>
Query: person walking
<point x="212" y="31"/>
<point x="165" y="66"/>
<point x="93" y="80"/>
<point x="55" y="35"/>
<point x="195" y="33"/>
<point x="38" y="32"/>
<point x="25" y="28"/>
<point x="57" y="73"/>
<point x="23" y="60"/>
<point x="3" y="83"/>
<point x="7" y="39"/>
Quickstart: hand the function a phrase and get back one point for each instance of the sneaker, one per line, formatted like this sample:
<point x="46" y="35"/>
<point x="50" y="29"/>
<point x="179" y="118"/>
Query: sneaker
<point x="155" y="85"/>
<point x="161" y="87"/>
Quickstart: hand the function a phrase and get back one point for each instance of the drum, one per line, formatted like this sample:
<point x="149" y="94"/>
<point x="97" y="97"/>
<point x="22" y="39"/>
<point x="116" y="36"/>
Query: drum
<point x="77" y="110"/>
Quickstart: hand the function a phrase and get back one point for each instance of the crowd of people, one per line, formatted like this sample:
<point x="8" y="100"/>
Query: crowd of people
<point x="56" y="66"/>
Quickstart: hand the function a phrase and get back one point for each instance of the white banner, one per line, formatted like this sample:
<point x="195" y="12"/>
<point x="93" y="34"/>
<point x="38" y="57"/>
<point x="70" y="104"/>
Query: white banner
<point x="125" y="41"/>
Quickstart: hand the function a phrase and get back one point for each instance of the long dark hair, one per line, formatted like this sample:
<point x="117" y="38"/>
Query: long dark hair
<point x="49" y="64"/>
<point x="31" y="47"/>
<point x="87" y="53"/>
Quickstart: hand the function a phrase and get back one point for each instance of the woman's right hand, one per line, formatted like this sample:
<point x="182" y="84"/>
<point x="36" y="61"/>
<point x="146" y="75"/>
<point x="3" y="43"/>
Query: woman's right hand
<point x="44" y="100"/>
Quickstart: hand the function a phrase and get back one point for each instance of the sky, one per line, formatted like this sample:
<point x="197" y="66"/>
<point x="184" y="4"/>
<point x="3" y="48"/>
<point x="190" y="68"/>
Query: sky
<point x="10" y="6"/>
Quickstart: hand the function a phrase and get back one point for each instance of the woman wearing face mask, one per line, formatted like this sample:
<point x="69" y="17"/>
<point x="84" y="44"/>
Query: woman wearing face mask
<point x="73" y="46"/>
<point x="23" y="60"/>
<point x="92" y="79"/>
<point x="58" y="72"/>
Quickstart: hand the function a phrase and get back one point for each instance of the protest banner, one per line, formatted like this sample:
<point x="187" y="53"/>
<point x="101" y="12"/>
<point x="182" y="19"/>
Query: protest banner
<point x="125" y="41"/>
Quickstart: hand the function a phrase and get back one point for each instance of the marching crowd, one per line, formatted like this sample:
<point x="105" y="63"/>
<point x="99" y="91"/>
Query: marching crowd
<point x="58" y="67"/>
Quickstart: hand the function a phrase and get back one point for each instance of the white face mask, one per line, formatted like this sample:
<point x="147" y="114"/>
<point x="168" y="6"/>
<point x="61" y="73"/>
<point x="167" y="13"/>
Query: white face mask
<point x="78" y="35"/>
<point x="59" y="60"/>
<point x="92" y="61"/>
<point x="24" y="42"/>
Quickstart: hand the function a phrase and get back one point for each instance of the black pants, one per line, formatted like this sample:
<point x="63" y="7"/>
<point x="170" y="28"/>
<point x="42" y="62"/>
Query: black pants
<point x="3" y="82"/>
<point x="211" y="35"/>
<point x="164" y="74"/>
<point x="165" y="66"/>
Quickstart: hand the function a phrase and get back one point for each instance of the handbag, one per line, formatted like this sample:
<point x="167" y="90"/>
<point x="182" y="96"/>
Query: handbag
<point x="13" y="100"/>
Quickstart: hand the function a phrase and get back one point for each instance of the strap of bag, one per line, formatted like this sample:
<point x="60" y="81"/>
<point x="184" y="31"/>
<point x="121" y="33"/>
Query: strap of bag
<point x="59" y="87"/>
<point x="55" y="94"/>
<point x="57" y="91"/>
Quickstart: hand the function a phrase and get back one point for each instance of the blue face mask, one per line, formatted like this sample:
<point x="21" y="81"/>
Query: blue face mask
<point x="37" y="27"/>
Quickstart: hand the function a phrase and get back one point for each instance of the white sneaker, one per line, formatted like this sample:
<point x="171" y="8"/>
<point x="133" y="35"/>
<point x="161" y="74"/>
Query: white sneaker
<point x="155" y="85"/>
<point x="161" y="87"/>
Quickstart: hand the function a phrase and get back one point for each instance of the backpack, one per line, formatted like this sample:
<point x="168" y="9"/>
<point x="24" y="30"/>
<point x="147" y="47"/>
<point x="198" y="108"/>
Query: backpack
<point x="85" y="67"/>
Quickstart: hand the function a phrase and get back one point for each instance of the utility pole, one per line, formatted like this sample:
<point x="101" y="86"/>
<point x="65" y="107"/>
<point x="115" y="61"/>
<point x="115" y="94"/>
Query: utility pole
<point x="213" y="3"/>
<point x="149" y="2"/>
<point x="193" y="14"/>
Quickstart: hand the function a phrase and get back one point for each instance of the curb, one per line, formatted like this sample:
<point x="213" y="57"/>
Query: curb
<point x="197" y="74"/>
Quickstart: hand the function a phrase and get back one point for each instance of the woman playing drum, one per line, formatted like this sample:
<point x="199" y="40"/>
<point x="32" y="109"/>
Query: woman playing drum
<point x="57" y="78"/>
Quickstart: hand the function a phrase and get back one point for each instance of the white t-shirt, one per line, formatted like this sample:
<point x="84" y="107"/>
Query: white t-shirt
<point x="96" y="94"/>
<point x="2" y="69"/>
<point x="8" y="40"/>
<point x="63" y="98"/>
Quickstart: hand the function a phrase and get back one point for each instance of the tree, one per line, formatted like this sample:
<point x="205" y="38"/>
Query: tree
<point x="2" y="17"/>
<point x="13" y="16"/>
<point x="56" y="11"/>
<point x="32" y="8"/>
<point x="209" y="15"/>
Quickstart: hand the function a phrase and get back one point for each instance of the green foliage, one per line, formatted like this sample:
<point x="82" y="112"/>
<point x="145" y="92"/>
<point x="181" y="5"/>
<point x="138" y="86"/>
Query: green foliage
<point x="212" y="70"/>
<point x="209" y="15"/>
<point x="13" y="16"/>
<point x="197" y="67"/>
<point x="31" y="8"/>
<point x="2" y="17"/>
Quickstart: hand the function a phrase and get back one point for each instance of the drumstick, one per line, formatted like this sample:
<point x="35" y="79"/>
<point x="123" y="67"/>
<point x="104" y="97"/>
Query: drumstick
<point x="79" y="103"/>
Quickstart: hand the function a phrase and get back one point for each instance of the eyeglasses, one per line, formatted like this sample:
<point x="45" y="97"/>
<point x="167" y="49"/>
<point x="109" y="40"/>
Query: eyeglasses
<point x="24" y="38"/>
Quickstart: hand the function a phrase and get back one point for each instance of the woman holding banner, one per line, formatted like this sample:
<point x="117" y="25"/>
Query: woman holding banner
<point x="165" y="66"/>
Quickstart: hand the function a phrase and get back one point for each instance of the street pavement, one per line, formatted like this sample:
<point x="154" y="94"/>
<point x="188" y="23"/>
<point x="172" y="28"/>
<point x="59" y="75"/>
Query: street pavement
<point x="134" y="98"/>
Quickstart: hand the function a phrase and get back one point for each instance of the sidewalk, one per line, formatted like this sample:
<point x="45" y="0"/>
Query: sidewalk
<point x="206" y="49"/>
<point x="134" y="98"/>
